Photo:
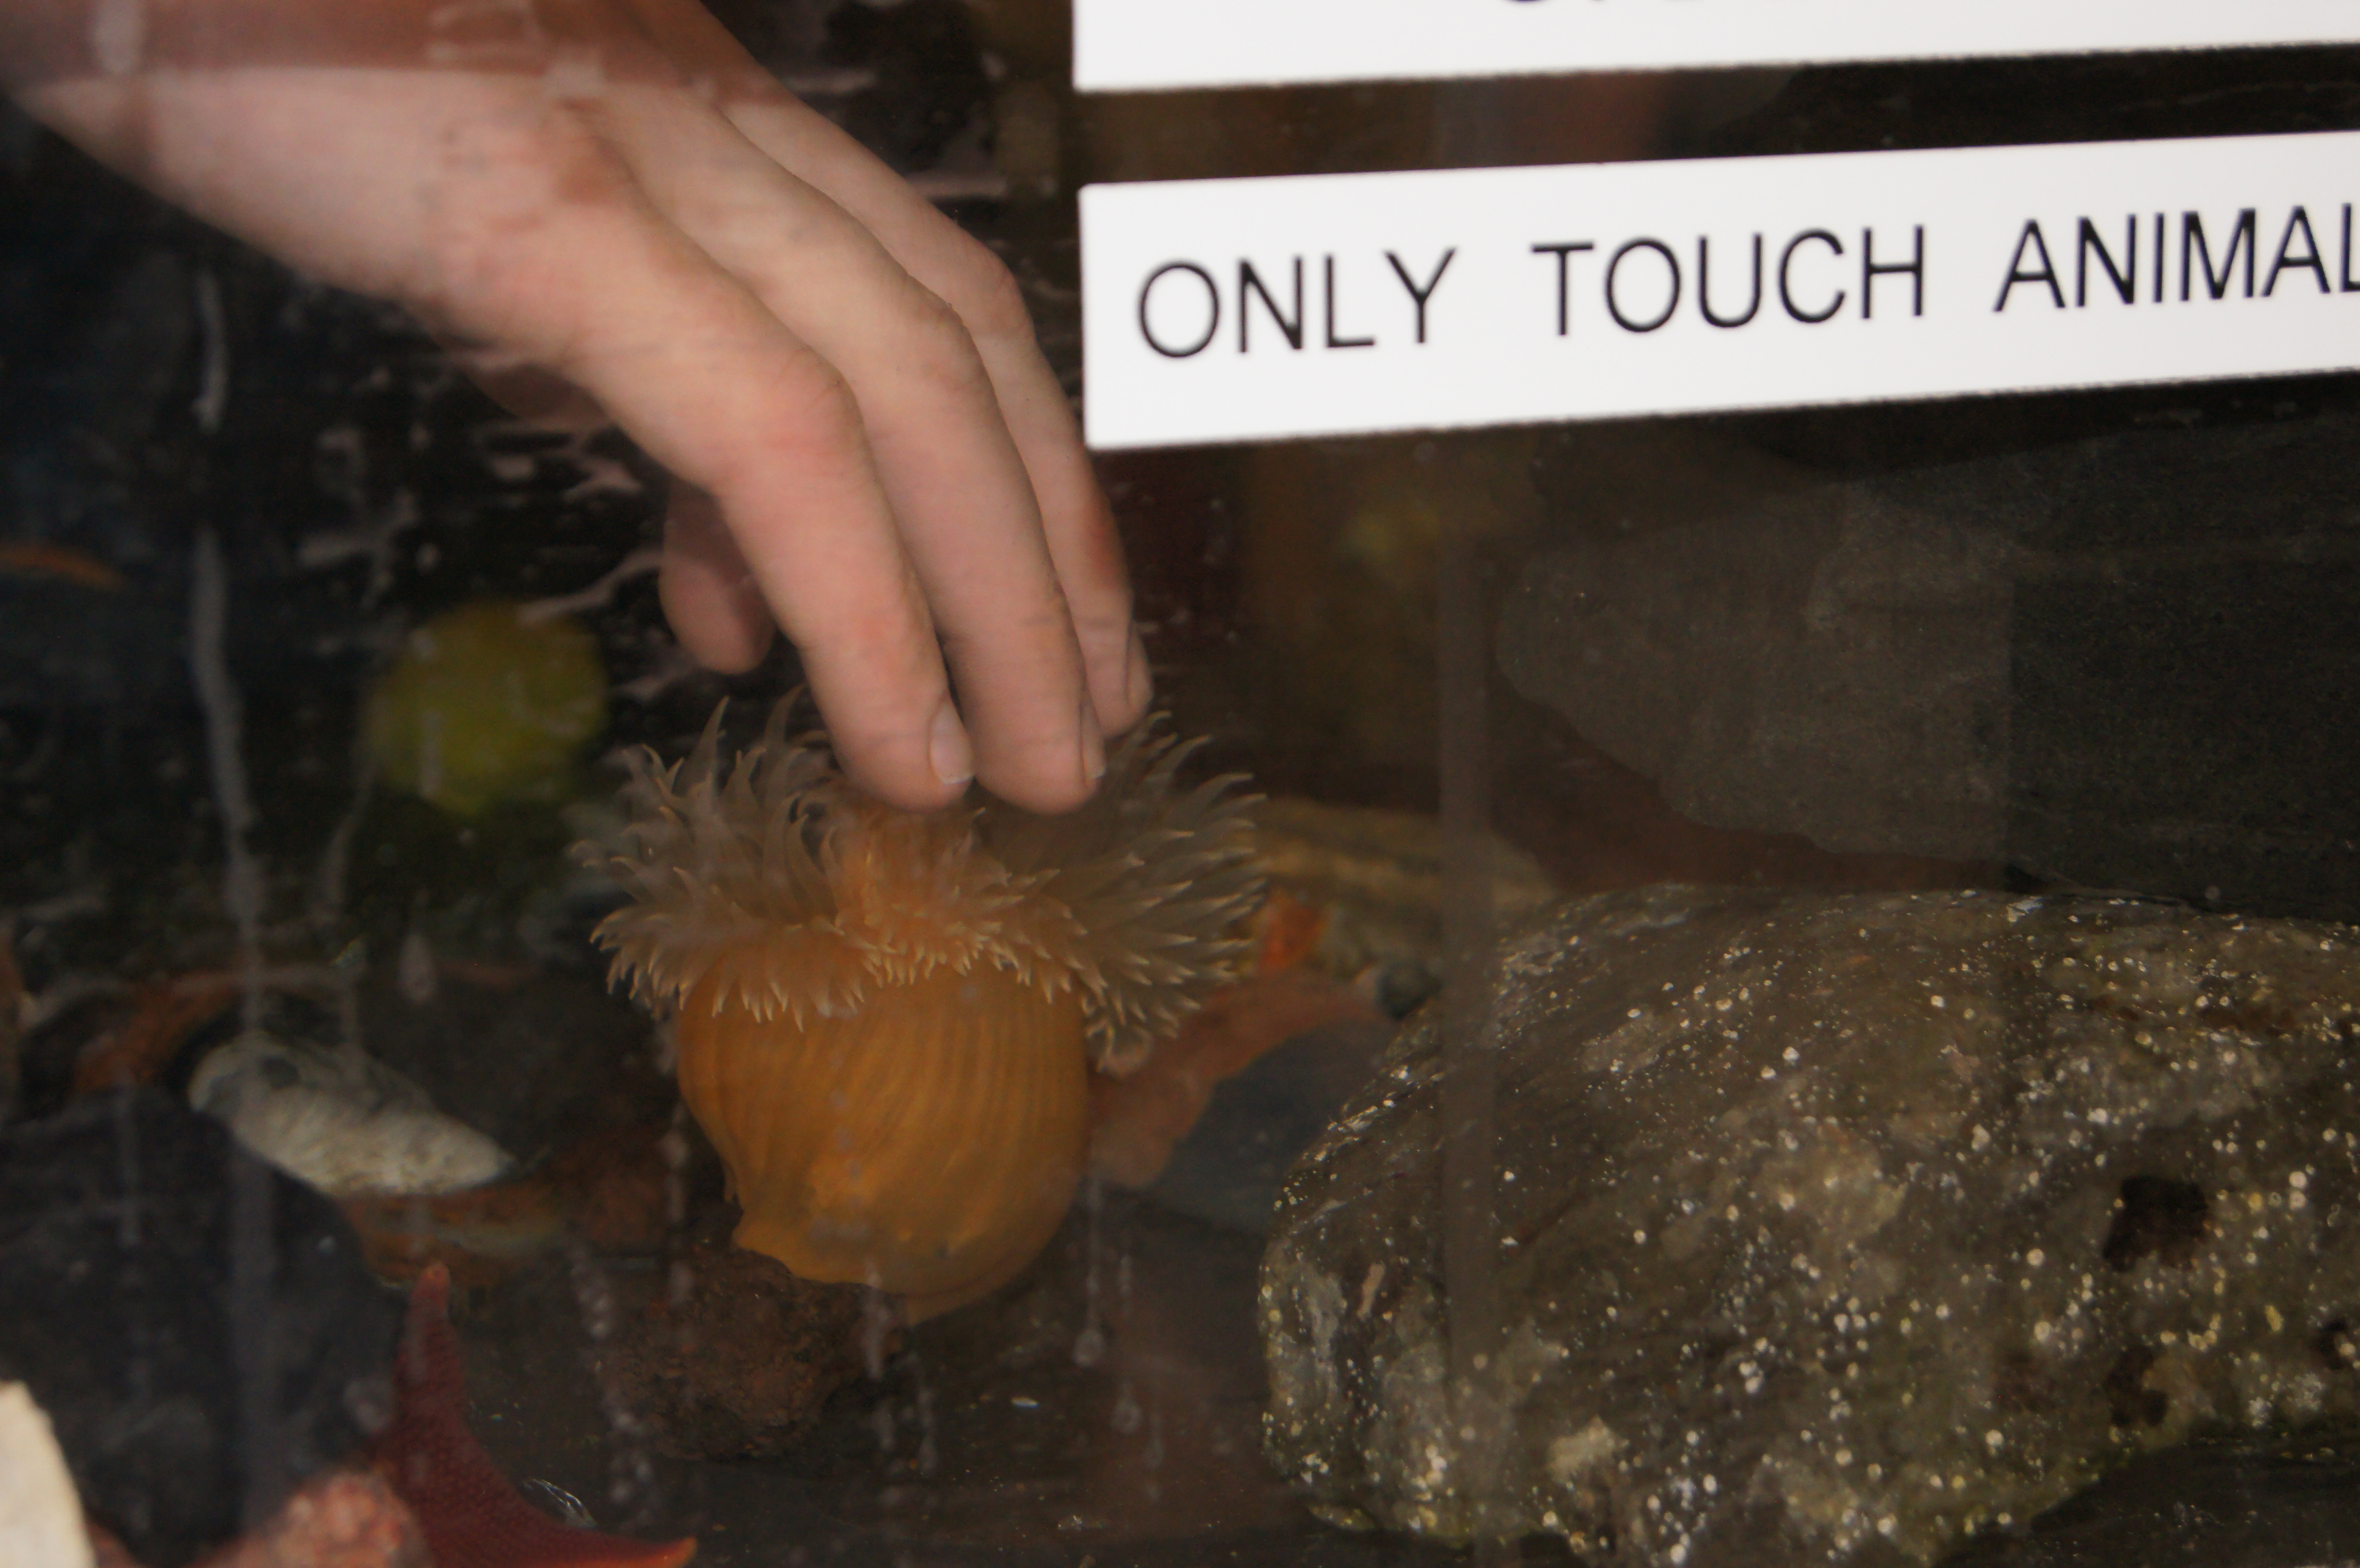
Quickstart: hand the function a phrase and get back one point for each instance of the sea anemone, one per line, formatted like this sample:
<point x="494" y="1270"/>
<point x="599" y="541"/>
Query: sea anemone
<point x="886" y="1022"/>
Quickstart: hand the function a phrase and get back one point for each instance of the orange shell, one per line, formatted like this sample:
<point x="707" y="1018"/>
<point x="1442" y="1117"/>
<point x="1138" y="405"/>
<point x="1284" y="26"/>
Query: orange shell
<point x="926" y="1141"/>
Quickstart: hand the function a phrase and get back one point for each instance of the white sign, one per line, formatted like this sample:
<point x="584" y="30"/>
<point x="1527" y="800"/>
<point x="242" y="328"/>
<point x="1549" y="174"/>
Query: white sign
<point x="1243" y="309"/>
<point x="1130" y="45"/>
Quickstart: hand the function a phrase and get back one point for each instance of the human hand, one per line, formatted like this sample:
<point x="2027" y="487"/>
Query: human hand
<point x="866" y="442"/>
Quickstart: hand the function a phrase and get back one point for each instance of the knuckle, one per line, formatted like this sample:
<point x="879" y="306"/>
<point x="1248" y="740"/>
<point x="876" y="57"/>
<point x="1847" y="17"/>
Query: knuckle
<point x="871" y="619"/>
<point x="1105" y="617"/>
<point x="991" y="299"/>
<point x="499" y="249"/>
<point x="797" y="415"/>
<point x="875" y="629"/>
<point x="980" y="288"/>
<point x="813" y="405"/>
<point x="1020" y="608"/>
<point x="944" y="354"/>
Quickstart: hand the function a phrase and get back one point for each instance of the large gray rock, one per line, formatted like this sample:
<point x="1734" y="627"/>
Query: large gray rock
<point x="1837" y="1227"/>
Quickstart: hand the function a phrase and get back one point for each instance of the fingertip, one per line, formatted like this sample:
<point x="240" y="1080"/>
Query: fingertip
<point x="1138" y="681"/>
<point x="906" y="743"/>
<point x="909" y="788"/>
<point x="1043" y="797"/>
<point x="708" y="591"/>
<point x="720" y="629"/>
<point x="1121" y="684"/>
<point x="1093" y="749"/>
<point x="1054" y="767"/>
<point x="948" y="748"/>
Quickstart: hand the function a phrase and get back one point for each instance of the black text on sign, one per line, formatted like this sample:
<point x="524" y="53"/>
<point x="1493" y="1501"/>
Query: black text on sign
<point x="1242" y="310"/>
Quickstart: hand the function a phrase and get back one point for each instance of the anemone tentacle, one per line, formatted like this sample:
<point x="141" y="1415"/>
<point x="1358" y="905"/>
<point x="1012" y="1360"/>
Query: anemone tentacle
<point x="799" y="897"/>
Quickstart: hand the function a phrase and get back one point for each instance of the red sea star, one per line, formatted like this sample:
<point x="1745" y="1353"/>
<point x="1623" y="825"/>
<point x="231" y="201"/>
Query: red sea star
<point x="472" y="1516"/>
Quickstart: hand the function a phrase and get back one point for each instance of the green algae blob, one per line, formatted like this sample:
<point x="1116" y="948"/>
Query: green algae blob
<point x="485" y="705"/>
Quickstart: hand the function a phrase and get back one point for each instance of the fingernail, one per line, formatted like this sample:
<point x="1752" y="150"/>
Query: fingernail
<point x="1093" y="746"/>
<point x="1138" y="681"/>
<point x="953" y="757"/>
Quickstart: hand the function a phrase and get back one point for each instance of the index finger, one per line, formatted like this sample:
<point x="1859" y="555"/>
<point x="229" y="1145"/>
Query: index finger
<point x="960" y="497"/>
<point x="717" y="388"/>
<point x="1084" y="547"/>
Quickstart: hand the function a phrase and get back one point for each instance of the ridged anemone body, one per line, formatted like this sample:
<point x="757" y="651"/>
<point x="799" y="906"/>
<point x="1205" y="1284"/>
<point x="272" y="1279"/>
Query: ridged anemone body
<point x="886" y="1022"/>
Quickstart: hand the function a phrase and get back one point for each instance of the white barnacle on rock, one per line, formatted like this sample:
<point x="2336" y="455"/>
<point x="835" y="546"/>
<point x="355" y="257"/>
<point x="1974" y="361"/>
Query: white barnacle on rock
<point x="1573" y="1460"/>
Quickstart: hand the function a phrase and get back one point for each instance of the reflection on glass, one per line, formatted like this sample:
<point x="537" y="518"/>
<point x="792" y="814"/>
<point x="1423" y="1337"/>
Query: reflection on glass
<point x="1778" y="992"/>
